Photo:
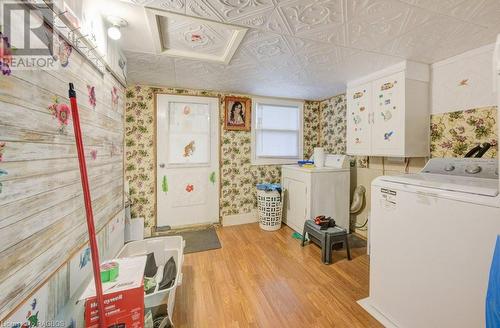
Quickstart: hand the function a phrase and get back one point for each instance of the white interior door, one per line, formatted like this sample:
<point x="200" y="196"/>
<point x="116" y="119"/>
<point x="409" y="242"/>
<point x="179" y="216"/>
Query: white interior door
<point x="187" y="140"/>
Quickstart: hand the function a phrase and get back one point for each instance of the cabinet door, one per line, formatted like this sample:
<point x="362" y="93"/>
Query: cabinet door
<point x="388" y="128"/>
<point x="358" y="120"/>
<point x="295" y="203"/>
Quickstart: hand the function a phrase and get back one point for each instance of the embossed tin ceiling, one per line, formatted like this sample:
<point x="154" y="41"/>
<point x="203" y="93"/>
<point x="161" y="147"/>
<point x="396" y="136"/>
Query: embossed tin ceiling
<point x="309" y="48"/>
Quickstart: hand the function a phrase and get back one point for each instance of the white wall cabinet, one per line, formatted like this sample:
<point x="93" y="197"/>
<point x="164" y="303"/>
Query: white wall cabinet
<point x="388" y="112"/>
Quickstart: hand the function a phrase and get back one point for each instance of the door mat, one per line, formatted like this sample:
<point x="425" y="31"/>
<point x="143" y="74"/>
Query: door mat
<point x="200" y="240"/>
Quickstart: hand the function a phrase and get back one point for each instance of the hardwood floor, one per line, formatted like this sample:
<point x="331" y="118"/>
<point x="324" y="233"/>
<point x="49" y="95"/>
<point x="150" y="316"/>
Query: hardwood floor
<point x="266" y="279"/>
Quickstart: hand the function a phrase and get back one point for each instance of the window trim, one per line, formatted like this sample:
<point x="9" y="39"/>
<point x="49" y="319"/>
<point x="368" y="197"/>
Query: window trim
<point x="265" y="160"/>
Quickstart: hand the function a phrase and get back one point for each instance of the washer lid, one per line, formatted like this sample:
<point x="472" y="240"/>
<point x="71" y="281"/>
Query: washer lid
<point x="468" y="185"/>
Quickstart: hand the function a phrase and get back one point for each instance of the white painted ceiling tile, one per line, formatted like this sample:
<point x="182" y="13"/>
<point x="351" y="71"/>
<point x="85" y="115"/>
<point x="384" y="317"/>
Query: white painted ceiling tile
<point x="456" y="8"/>
<point x="487" y="14"/>
<point x="267" y="21"/>
<point x="358" y="10"/>
<point x="273" y="47"/>
<point x="421" y="43"/>
<point x="233" y="9"/>
<point x="199" y="8"/>
<point x="304" y="17"/>
<point x="370" y="34"/>
<point x="178" y="6"/>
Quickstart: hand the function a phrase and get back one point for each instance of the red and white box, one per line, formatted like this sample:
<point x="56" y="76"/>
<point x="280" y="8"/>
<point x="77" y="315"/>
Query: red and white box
<point x="123" y="298"/>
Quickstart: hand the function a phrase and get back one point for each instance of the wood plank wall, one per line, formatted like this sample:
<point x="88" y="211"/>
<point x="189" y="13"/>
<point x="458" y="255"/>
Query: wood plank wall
<point x="42" y="216"/>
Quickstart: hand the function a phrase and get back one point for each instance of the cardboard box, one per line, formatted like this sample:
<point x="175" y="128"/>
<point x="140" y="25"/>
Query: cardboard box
<point x="123" y="298"/>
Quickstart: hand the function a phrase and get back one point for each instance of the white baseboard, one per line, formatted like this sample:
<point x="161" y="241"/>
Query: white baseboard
<point x="236" y="219"/>
<point x="367" y="306"/>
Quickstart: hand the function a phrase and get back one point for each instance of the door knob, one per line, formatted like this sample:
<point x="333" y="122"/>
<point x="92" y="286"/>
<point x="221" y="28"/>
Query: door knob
<point x="162" y="165"/>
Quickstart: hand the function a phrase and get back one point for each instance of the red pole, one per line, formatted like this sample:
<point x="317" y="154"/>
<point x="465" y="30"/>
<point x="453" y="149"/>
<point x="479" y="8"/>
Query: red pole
<point x="88" y="205"/>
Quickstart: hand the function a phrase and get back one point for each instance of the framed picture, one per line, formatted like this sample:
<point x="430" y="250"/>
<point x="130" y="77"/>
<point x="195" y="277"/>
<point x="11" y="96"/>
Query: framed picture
<point x="237" y="113"/>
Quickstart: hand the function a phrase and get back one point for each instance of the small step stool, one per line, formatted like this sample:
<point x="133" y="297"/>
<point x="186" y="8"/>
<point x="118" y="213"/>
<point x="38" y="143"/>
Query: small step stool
<point x="326" y="239"/>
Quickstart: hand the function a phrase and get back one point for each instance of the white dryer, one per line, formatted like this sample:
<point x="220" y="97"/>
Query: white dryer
<point x="432" y="237"/>
<point x="310" y="192"/>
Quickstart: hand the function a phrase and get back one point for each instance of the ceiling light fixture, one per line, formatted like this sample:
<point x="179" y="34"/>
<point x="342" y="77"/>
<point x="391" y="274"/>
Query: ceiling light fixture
<point x="116" y="23"/>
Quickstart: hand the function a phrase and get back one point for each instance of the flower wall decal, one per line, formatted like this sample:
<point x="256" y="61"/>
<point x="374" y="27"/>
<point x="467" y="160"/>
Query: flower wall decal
<point x="92" y="97"/>
<point x="61" y="112"/>
<point x="2" y="150"/>
<point x="5" y="55"/>
<point x="114" y="97"/>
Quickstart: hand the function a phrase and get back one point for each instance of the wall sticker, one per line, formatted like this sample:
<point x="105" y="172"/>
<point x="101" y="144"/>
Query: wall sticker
<point x="189" y="149"/>
<point x="61" y="112"/>
<point x="60" y="50"/>
<point x="387" y="86"/>
<point x="164" y="184"/>
<point x="189" y="188"/>
<point x="114" y="97"/>
<point x="387" y="115"/>
<point x="84" y="257"/>
<point x="5" y="55"/>
<point x="2" y="150"/>
<point x="92" y="97"/>
<point x="463" y="83"/>
<point x="357" y="95"/>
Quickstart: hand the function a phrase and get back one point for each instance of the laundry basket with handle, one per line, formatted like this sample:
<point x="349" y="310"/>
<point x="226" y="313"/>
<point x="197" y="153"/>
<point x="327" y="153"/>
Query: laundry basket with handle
<point x="270" y="206"/>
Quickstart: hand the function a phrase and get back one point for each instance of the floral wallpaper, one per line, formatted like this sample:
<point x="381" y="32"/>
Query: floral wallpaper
<point x="455" y="133"/>
<point x="312" y="113"/>
<point x="333" y="124"/>
<point x="238" y="176"/>
<point x="333" y="128"/>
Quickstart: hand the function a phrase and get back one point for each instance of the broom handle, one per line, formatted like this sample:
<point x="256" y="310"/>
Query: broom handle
<point x="88" y="206"/>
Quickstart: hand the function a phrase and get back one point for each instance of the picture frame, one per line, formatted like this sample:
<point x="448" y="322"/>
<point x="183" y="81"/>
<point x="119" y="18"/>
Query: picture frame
<point x="237" y="113"/>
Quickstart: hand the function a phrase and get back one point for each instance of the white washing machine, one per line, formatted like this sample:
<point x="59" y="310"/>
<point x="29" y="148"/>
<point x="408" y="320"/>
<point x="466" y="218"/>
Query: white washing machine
<point x="310" y="192"/>
<point x="432" y="237"/>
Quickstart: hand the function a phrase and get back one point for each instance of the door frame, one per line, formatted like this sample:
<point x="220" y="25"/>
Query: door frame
<point x="154" y="230"/>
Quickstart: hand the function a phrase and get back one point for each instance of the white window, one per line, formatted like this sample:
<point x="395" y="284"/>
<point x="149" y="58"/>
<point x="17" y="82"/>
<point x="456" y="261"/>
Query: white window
<point x="276" y="131"/>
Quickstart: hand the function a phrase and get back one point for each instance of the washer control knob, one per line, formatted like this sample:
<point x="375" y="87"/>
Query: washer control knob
<point x="449" y="167"/>
<point x="473" y="169"/>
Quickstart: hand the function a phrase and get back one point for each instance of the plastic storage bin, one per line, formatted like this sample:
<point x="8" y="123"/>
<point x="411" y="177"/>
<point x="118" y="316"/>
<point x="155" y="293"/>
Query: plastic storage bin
<point x="163" y="248"/>
<point x="270" y="207"/>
